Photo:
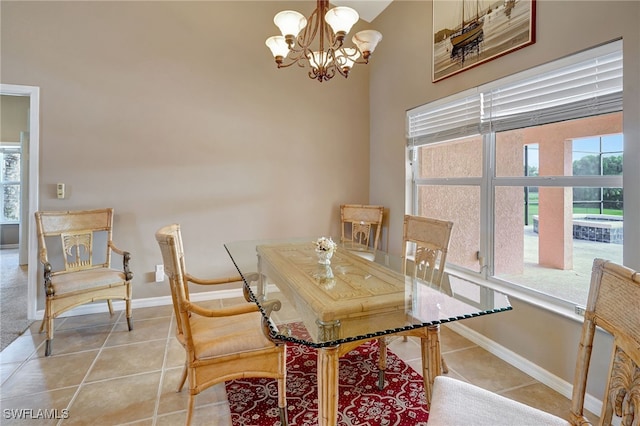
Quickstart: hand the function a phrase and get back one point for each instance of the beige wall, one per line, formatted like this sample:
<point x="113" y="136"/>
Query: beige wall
<point x="175" y="112"/>
<point x="563" y="28"/>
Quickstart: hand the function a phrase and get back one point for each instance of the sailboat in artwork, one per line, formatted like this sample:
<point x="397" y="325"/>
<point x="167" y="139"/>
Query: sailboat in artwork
<point x="470" y="32"/>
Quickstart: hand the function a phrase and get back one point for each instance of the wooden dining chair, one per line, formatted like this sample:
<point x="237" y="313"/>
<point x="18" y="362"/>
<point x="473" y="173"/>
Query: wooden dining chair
<point x="76" y="248"/>
<point x="360" y="228"/>
<point x="613" y="306"/>
<point x="425" y="243"/>
<point x="220" y="344"/>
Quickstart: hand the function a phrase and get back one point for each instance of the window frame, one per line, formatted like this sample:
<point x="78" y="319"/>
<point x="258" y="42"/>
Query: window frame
<point x="9" y="147"/>
<point x="488" y="182"/>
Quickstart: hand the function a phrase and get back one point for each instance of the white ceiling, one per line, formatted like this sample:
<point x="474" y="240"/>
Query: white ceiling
<point x="367" y="9"/>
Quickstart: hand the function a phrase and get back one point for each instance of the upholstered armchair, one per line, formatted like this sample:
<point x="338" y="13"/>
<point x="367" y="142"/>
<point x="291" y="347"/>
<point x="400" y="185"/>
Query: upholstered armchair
<point x="220" y="344"/>
<point x="76" y="248"/>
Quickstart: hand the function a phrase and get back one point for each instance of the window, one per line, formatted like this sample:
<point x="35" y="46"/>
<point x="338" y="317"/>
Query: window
<point x="10" y="183"/>
<point x="529" y="169"/>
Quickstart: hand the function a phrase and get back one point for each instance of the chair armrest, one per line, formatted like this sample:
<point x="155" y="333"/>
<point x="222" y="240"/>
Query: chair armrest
<point x="48" y="288"/>
<point x="222" y="312"/>
<point x="213" y="281"/>
<point x="271" y="305"/>
<point x="126" y="257"/>
<point x="44" y="259"/>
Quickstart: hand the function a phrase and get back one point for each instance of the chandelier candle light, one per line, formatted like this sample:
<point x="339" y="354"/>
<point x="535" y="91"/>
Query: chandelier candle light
<point x="328" y="55"/>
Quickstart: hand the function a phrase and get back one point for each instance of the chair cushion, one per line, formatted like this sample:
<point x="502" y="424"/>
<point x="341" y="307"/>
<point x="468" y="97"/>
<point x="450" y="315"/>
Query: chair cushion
<point x="88" y="279"/>
<point x="218" y="336"/>
<point x="454" y="403"/>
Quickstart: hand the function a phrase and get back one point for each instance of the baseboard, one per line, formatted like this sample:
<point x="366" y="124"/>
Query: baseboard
<point x="591" y="403"/>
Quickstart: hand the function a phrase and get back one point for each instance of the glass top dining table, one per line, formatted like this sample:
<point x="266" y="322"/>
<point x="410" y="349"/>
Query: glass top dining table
<point x="358" y="296"/>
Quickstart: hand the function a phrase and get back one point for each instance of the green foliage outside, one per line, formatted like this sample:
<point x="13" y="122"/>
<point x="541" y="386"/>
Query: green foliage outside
<point x="587" y="200"/>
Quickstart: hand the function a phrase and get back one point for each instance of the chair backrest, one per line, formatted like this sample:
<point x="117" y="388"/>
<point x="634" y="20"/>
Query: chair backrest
<point x="426" y="240"/>
<point x="169" y="239"/>
<point x="84" y="236"/>
<point x="614" y="305"/>
<point x="361" y="224"/>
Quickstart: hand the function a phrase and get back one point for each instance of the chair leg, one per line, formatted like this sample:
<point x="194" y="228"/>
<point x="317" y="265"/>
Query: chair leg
<point x="382" y="361"/>
<point x="48" y="319"/>
<point x="445" y="368"/>
<point x="282" y="401"/>
<point x="46" y="315"/>
<point x="283" y="416"/>
<point x="129" y="316"/>
<point x="192" y="400"/>
<point x="183" y="379"/>
<point x="110" y="305"/>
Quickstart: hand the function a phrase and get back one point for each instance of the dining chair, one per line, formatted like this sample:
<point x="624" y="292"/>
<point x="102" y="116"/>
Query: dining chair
<point x="425" y="243"/>
<point x="76" y="248"/>
<point x="360" y="228"/>
<point x="612" y="305"/>
<point x="221" y="344"/>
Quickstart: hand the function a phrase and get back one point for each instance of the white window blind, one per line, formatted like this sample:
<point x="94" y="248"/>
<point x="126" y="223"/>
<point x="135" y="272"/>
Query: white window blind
<point x="582" y="85"/>
<point x="452" y="118"/>
<point x="585" y="84"/>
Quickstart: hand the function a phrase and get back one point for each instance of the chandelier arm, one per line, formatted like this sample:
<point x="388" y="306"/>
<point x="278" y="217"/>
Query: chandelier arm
<point x="309" y="32"/>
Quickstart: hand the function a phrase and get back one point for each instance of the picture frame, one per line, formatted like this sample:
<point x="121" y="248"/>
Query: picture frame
<point x="489" y="30"/>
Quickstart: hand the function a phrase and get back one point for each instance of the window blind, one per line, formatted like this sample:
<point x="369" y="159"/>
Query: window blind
<point x="452" y="118"/>
<point x="582" y="85"/>
<point x="585" y="84"/>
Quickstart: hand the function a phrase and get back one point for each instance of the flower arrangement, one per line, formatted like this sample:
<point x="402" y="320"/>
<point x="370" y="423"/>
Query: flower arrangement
<point x="325" y="244"/>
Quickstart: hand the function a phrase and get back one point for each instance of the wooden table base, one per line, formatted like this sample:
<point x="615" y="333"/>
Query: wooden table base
<point x="328" y="364"/>
<point x="329" y="361"/>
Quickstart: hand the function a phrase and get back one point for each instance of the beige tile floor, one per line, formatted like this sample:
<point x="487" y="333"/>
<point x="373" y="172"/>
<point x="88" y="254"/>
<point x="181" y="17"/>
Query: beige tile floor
<point x="104" y="375"/>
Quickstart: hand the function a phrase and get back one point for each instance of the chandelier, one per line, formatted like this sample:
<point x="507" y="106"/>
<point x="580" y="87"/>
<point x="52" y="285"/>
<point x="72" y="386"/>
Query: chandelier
<point x="326" y="56"/>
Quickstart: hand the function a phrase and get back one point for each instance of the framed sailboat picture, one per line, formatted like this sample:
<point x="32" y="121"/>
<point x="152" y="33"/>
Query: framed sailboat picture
<point x="467" y="33"/>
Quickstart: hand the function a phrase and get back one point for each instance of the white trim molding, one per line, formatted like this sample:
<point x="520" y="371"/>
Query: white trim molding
<point x="33" y="93"/>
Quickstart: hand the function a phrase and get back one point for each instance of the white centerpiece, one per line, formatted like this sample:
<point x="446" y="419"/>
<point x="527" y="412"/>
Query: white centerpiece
<point x="324" y="249"/>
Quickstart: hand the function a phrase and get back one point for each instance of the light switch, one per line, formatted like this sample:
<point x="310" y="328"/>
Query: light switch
<point x="60" y="190"/>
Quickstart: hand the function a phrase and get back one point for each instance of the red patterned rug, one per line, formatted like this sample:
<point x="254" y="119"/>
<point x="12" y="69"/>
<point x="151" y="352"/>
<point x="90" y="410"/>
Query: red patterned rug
<point x="254" y="402"/>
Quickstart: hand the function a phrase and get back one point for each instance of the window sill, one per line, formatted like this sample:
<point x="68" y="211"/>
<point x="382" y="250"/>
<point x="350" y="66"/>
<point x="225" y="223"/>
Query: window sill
<point x="543" y="301"/>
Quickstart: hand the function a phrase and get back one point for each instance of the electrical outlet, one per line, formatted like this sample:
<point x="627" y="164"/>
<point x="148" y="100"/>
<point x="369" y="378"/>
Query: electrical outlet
<point x="159" y="273"/>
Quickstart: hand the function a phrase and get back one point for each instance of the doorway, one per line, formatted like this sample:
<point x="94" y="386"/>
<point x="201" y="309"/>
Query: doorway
<point x="28" y="242"/>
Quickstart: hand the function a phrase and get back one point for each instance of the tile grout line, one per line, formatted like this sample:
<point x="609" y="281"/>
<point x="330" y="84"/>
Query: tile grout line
<point x="503" y="391"/>
<point x="93" y="363"/>
<point x="162" y="372"/>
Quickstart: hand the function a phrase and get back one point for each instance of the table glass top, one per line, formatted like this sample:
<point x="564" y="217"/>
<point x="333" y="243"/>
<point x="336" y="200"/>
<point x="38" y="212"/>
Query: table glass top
<point x="352" y="298"/>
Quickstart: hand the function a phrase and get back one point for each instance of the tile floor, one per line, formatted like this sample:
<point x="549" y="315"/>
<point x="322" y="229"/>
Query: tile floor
<point x="104" y="375"/>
